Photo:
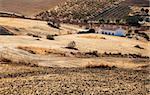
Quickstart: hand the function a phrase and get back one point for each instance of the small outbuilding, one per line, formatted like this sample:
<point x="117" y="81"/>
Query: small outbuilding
<point x="86" y="31"/>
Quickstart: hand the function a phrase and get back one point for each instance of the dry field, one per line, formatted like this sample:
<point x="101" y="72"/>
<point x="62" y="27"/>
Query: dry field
<point x="33" y="7"/>
<point x="53" y="52"/>
<point x="72" y="81"/>
<point x="33" y="65"/>
<point x="28" y="7"/>
<point x="24" y="26"/>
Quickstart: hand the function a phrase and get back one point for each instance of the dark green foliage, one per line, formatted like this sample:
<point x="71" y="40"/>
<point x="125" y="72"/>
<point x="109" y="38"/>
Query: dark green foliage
<point x="142" y="10"/>
<point x="130" y="31"/>
<point x="50" y="37"/>
<point x="136" y="31"/>
<point x="33" y="35"/>
<point x="108" y="21"/>
<point x="137" y="46"/>
<point x="133" y="21"/>
<point x="145" y="36"/>
<point x="147" y="11"/>
<point x="101" y="21"/>
<point x="147" y="20"/>
<point x="117" y="21"/>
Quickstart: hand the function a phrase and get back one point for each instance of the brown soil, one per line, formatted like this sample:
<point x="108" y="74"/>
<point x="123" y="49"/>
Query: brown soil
<point x="78" y="81"/>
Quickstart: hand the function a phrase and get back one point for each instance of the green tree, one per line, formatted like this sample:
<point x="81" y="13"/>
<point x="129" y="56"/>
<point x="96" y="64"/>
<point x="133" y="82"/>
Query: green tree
<point x="133" y="21"/>
<point x="142" y="10"/>
<point x="118" y="21"/>
<point x="147" y="11"/>
<point x="101" y="21"/>
<point x="108" y="21"/>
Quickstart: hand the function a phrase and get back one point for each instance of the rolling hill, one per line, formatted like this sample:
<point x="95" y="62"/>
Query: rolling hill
<point x="28" y="7"/>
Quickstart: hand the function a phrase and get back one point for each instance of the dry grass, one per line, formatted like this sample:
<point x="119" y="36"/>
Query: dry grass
<point x="93" y="37"/>
<point x="40" y="50"/>
<point x="28" y="7"/>
<point x="9" y="57"/>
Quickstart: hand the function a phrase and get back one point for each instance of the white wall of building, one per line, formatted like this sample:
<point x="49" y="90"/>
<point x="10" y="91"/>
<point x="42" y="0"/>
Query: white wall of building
<point x="117" y="32"/>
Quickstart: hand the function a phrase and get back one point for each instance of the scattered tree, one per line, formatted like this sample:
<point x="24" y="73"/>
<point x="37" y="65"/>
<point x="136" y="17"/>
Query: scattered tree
<point x="117" y="21"/>
<point x="108" y="21"/>
<point x="142" y="10"/>
<point x="147" y="20"/>
<point x="101" y="21"/>
<point x="136" y="31"/>
<point x="133" y="21"/>
<point x="147" y="11"/>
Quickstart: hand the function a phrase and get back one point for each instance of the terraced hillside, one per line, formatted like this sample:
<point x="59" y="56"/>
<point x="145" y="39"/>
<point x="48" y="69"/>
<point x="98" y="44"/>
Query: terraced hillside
<point x="79" y="9"/>
<point x="115" y="12"/>
<point x="92" y="10"/>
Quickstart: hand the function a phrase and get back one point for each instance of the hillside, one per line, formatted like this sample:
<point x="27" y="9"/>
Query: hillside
<point x="39" y="57"/>
<point x="101" y="64"/>
<point x="85" y="43"/>
<point x="92" y="10"/>
<point x="28" y="7"/>
<point x="79" y="9"/>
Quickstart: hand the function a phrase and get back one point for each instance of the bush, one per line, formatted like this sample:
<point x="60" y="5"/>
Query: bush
<point x="72" y="45"/>
<point x="145" y="36"/>
<point x="137" y="46"/>
<point x="102" y="66"/>
<point x="50" y="37"/>
<point x="136" y="31"/>
<point x="93" y="53"/>
<point x="133" y="21"/>
<point x="33" y="35"/>
<point x="5" y="60"/>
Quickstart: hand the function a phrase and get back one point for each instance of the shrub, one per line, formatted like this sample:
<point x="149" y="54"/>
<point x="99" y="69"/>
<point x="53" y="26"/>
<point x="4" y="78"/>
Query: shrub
<point x="136" y="31"/>
<point x="50" y="37"/>
<point x="72" y="45"/>
<point x="137" y="46"/>
<point x="33" y="35"/>
<point x="5" y="60"/>
<point x="93" y="54"/>
<point x="133" y="21"/>
<point x="103" y="66"/>
<point x="145" y="36"/>
<point x="130" y="31"/>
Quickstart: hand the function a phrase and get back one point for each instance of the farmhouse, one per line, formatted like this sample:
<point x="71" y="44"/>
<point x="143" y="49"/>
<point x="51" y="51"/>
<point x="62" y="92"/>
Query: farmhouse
<point x="115" y="31"/>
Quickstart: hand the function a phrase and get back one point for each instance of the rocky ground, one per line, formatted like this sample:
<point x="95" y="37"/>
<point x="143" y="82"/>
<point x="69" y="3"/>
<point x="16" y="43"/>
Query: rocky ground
<point x="23" y="80"/>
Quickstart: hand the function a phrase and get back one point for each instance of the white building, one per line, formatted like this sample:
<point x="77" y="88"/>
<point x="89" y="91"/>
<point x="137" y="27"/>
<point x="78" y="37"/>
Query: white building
<point x="112" y="31"/>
